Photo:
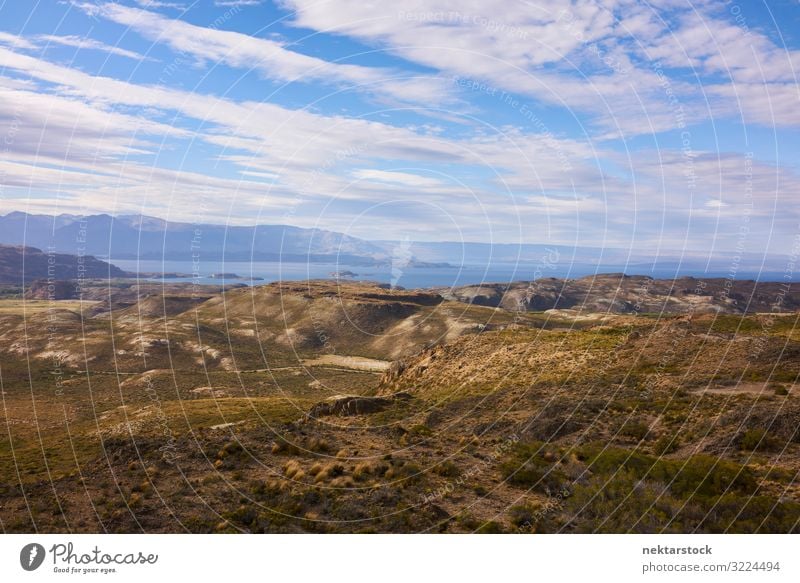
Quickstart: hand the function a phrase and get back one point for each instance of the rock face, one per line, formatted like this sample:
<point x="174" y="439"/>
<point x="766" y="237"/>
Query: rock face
<point x="349" y="406"/>
<point x="393" y="372"/>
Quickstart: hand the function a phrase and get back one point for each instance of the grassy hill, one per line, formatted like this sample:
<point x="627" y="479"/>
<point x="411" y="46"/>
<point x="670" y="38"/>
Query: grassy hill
<point x="347" y="407"/>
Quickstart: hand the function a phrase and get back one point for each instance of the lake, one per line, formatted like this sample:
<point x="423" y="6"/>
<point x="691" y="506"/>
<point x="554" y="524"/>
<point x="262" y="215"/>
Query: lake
<point x="408" y="277"/>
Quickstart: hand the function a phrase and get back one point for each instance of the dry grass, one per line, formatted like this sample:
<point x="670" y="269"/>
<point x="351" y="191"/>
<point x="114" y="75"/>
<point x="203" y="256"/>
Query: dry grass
<point x="19" y="307"/>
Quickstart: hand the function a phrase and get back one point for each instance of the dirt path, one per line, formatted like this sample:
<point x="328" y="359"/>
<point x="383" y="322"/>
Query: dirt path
<point x="350" y="362"/>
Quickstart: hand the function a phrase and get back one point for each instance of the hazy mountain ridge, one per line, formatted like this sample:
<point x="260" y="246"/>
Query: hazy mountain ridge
<point x="151" y="238"/>
<point x="142" y="237"/>
<point x="23" y="265"/>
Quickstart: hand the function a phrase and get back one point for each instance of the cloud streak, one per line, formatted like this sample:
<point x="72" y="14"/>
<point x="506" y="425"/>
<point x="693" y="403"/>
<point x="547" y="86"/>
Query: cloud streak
<point x="271" y="58"/>
<point x="85" y="43"/>
<point x="584" y="99"/>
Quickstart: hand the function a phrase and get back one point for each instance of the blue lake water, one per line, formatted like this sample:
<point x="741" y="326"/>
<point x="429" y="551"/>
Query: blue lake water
<point x="408" y="277"/>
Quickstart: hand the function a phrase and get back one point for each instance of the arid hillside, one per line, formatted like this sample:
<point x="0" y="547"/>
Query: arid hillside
<point x="347" y="407"/>
<point x="623" y="294"/>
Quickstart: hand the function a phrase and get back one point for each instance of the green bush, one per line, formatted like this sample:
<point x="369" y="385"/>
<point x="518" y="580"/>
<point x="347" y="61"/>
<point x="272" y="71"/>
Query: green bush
<point x="665" y="444"/>
<point x="447" y="469"/>
<point x="522" y="515"/>
<point x="490" y="527"/>
<point x="635" y="430"/>
<point x="699" y="475"/>
<point x="756" y="439"/>
<point x="525" y="465"/>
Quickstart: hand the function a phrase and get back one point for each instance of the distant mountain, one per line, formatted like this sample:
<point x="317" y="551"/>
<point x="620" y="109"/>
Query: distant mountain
<point x="24" y="265"/>
<point x="142" y="237"/>
<point x="616" y="293"/>
<point x="549" y="260"/>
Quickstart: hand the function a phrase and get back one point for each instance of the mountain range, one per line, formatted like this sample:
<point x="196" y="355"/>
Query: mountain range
<point x="142" y="237"/>
<point x="24" y="265"/>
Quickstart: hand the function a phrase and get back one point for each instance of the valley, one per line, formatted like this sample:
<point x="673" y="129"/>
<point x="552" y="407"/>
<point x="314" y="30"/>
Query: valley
<point x="605" y="404"/>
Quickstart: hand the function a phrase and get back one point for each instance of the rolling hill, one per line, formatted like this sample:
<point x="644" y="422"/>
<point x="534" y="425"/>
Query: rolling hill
<point x="625" y="294"/>
<point x="348" y="407"/>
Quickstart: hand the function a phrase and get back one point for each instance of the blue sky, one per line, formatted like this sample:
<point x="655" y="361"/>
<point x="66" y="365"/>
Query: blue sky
<point x="660" y="125"/>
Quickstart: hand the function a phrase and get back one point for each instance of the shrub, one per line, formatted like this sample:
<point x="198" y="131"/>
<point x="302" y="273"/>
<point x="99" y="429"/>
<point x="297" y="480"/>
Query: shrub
<point x="635" y="430"/>
<point x="665" y="444"/>
<point x="526" y="465"/>
<point x="753" y="514"/>
<point x="318" y="445"/>
<point x="245" y="515"/>
<point x="232" y="447"/>
<point x="420" y="430"/>
<point x="448" y="469"/>
<point x="522" y="515"/>
<point x="490" y="527"/>
<point x="142" y="487"/>
<point x="617" y="504"/>
<point x="364" y="469"/>
<point x="467" y="521"/>
<point x="756" y="439"/>
<point x="342" y="482"/>
<point x="699" y="475"/>
<point x="291" y="468"/>
<point x="403" y="471"/>
<point x="283" y="446"/>
<point x="709" y="476"/>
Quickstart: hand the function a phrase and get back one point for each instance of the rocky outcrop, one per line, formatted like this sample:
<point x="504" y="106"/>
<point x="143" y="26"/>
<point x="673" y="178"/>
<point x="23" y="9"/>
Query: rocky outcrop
<point x="625" y="294"/>
<point x="393" y="372"/>
<point x="61" y="289"/>
<point x="352" y="405"/>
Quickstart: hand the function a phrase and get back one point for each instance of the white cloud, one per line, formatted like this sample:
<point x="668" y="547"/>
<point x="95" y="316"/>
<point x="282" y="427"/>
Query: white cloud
<point x="403" y="178"/>
<point x="760" y="75"/>
<point x="237" y="3"/>
<point x="15" y="41"/>
<point x="160" y="4"/>
<point x="304" y="156"/>
<point x="89" y="140"/>
<point x="594" y="58"/>
<point x="91" y="44"/>
<point x="271" y="58"/>
<point x="547" y="52"/>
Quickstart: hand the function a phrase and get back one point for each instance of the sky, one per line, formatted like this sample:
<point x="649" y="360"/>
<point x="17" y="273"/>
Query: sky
<point x="661" y="125"/>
